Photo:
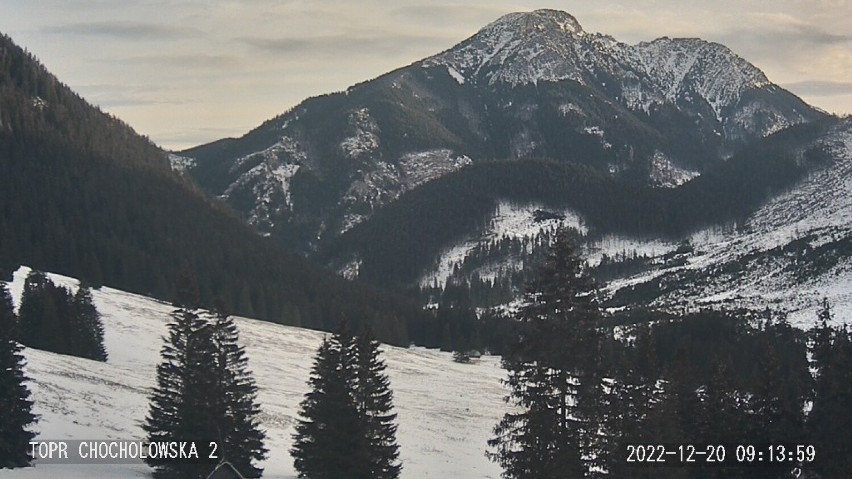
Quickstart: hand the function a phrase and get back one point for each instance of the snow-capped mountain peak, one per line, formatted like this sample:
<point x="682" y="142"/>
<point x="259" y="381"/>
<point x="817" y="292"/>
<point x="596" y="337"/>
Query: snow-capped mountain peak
<point x="550" y="45"/>
<point x="519" y="48"/>
<point x="539" y="20"/>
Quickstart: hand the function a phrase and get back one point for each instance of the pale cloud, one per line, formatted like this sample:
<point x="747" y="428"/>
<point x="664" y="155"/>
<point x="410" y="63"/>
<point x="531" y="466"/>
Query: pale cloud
<point x="821" y="88"/>
<point x="193" y="71"/>
<point x="121" y="29"/>
<point x="366" y="45"/>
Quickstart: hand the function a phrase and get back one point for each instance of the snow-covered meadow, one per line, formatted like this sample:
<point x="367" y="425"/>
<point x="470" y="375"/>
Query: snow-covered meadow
<point x="446" y="410"/>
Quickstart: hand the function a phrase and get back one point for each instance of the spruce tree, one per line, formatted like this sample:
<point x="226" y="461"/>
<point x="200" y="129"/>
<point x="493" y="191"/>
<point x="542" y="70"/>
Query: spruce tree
<point x="33" y="317"/>
<point x="374" y="401"/>
<point x="239" y="432"/>
<point x="184" y="397"/>
<point x="830" y="421"/>
<point x="88" y="328"/>
<point x="552" y="374"/>
<point x="330" y="441"/>
<point x="15" y="404"/>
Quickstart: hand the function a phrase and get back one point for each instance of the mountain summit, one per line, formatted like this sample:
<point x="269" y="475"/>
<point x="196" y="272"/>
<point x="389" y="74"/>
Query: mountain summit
<point x="529" y="85"/>
<point x="551" y="46"/>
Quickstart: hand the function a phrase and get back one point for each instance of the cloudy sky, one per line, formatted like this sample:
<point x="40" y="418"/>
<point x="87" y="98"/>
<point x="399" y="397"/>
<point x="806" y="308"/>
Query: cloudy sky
<point x="186" y="72"/>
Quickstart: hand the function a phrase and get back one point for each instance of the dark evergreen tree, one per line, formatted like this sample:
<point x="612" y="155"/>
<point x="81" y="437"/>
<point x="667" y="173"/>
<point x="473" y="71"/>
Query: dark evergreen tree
<point x="374" y="401"/>
<point x="54" y="320"/>
<point x="37" y="317"/>
<point x="830" y="421"/>
<point x="88" y="328"/>
<point x="236" y="413"/>
<point x="552" y="374"/>
<point x="330" y="440"/>
<point x="15" y="405"/>
<point x="185" y="396"/>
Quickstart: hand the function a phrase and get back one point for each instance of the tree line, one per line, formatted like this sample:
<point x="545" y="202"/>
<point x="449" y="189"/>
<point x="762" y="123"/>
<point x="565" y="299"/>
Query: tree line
<point x="582" y="387"/>
<point x="53" y="319"/>
<point x="582" y="393"/>
<point x="406" y="237"/>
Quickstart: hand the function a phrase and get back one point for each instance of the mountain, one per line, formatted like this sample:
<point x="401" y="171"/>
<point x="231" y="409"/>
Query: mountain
<point x="668" y="158"/>
<point x="768" y="229"/>
<point x="529" y="85"/>
<point x="81" y="193"/>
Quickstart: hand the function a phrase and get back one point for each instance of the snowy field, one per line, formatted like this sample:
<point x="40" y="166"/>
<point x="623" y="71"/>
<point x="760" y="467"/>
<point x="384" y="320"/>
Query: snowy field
<point x="446" y="410"/>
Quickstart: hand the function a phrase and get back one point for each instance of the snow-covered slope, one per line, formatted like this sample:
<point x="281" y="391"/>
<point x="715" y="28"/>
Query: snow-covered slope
<point x="446" y="410"/>
<point x="788" y="255"/>
<point x="509" y="220"/>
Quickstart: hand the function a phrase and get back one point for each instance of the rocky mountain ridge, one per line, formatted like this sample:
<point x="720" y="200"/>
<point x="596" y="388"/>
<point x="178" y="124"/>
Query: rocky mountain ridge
<point x="529" y="85"/>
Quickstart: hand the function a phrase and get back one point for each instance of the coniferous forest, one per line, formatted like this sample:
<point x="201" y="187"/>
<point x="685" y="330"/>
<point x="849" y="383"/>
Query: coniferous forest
<point x="111" y="211"/>
<point x="585" y="394"/>
<point x="53" y="319"/>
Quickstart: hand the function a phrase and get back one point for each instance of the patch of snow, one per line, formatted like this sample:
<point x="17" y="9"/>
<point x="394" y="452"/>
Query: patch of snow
<point x="510" y="220"/>
<point x="665" y="174"/>
<point x="613" y="245"/>
<point x="365" y="140"/>
<point x="424" y="166"/>
<point x="269" y="179"/>
<point x="458" y="77"/>
<point x="566" y="109"/>
<point x="39" y="103"/>
<point x="180" y="163"/>
<point x="352" y="269"/>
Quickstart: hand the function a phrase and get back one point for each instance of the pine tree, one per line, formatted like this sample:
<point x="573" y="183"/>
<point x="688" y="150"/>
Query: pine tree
<point x="54" y="320"/>
<point x="239" y="431"/>
<point x="185" y="394"/>
<point x="88" y="328"/>
<point x="330" y="441"/>
<point x="15" y="404"/>
<point x="374" y="401"/>
<point x="552" y="374"/>
<point x="45" y="315"/>
<point x="33" y="320"/>
<point x="830" y="421"/>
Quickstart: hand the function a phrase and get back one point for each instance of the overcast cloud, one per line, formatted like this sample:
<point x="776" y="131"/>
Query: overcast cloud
<point x="186" y="72"/>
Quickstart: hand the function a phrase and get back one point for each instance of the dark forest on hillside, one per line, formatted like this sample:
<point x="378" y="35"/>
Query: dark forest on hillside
<point x="82" y="194"/>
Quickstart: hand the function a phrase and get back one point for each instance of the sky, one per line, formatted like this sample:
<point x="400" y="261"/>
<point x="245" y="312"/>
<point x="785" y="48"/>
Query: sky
<point x="187" y="72"/>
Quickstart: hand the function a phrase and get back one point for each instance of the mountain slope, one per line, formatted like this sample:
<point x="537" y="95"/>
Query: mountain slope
<point x="529" y="85"/>
<point x="81" y="193"/>
<point x="788" y="255"/>
<point x="768" y="229"/>
<point x="445" y="410"/>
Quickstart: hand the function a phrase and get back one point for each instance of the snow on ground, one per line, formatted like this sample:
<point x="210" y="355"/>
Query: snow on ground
<point x="424" y="166"/>
<point x="509" y="220"/>
<point x="458" y="77"/>
<point x="666" y="174"/>
<point x="181" y="163"/>
<point x="818" y="209"/>
<point x="612" y="245"/>
<point x="446" y="410"/>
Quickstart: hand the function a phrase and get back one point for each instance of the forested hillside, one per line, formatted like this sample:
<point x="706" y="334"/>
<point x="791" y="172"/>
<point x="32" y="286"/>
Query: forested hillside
<point x="404" y="238"/>
<point x="81" y="193"/>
